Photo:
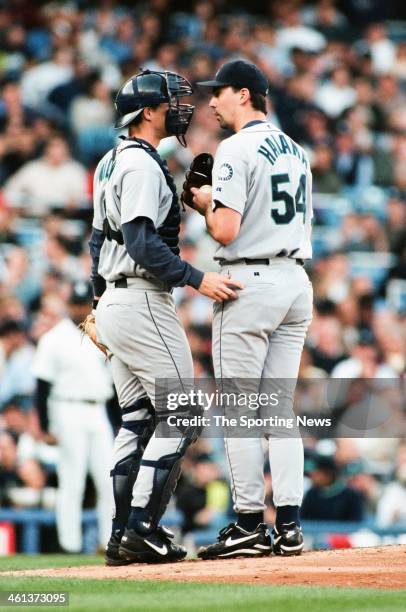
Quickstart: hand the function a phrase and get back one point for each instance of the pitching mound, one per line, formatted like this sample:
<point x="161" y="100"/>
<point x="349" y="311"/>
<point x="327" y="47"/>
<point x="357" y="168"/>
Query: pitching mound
<point x="383" y="567"/>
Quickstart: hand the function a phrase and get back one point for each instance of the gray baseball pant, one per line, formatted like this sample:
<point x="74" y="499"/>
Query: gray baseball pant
<point x="260" y="336"/>
<point x="146" y="340"/>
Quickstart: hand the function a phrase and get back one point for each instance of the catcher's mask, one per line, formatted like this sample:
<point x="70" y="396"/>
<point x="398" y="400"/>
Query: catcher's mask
<point x="151" y="88"/>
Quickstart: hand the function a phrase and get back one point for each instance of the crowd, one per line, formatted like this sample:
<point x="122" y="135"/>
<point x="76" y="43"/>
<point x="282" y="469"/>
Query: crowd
<point x="337" y="74"/>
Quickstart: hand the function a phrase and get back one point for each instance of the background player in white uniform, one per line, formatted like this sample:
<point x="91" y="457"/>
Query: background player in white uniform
<point x="73" y="386"/>
<point x="136" y="262"/>
<point x="260" y="212"/>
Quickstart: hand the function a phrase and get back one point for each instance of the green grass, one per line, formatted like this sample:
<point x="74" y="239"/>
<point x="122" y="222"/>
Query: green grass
<point x="20" y="562"/>
<point x="148" y="596"/>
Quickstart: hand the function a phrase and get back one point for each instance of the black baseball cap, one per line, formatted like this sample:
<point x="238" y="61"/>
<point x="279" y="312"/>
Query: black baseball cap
<point x="324" y="463"/>
<point x="81" y="293"/>
<point x="11" y="326"/>
<point x="239" y="73"/>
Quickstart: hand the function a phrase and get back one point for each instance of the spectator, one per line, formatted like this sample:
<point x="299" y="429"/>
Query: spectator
<point x="364" y="361"/>
<point x="363" y="233"/>
<point x="294" y="34"/>
<point x="92" y="109"/>
<point x="19" y="277"/>
<point x="8" y="466"/>
<point x="12" y="337"/>
<point x="37" y="82"/>
<point x="91" y="116"/>
<point x="398" y="68"/>
<point x="337" y="94"/>
<point x="327" y="19"/>
<point x="325" y="177"/>
<point x="13" y="418"/>
<point x="329" y="498"/>
<point x="12" y="475"/>
<point x="382" y="50"/>
<point x="201" y="493"/>
<point x="54" y="181"/>
<point x="12" y="109"/>
<point x="16" y="378"/>
<point x="326" y="342"/>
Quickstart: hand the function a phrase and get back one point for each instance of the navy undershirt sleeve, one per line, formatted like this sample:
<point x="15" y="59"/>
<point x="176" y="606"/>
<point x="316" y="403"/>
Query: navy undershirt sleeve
<point x="146" y="248"/>
<point x="41" y="401"/>
<point x="114" y="413"/>
<point x="95" y="244"/>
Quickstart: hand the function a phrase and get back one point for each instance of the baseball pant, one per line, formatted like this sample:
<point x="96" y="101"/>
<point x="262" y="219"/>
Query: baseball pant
<point x="260" y="336"/>
<point x="141" y="329"/>
<point x="85" y="444"/>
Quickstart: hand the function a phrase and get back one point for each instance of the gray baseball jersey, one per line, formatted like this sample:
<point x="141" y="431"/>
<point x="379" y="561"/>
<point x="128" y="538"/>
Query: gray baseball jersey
<point x="128" y="186"/>
<point x="138" y="321"/>
<point x="263" y="174"/>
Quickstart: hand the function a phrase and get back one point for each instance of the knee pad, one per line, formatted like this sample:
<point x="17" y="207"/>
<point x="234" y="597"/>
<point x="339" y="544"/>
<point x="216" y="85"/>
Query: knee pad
<point x="167" y="471"/>
<point x="189" y="431"/>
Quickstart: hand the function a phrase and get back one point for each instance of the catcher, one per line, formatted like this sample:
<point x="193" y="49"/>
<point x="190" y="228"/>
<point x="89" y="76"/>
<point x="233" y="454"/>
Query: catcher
<point x="136" y="263"/>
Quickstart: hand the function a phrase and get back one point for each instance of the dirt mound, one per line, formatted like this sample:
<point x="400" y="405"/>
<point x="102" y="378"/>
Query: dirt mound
<point x="383" y="567"/>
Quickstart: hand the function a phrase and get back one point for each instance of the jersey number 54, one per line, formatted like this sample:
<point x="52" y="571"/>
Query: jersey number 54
<point x="293" y="205"/>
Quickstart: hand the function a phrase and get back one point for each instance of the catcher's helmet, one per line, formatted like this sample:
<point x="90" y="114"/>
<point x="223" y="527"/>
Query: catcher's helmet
<point x="151" y="88"/>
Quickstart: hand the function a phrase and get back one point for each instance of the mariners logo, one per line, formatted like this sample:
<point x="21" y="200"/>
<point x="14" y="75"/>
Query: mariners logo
<point x="226" y="172"/>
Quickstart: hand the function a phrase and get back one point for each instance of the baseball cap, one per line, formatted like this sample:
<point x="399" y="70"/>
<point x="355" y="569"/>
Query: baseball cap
<point x="11" y="326"/>
<point x="81" y="293"/>
<point x="239" y="73"/>
<point x="315" y="462"/>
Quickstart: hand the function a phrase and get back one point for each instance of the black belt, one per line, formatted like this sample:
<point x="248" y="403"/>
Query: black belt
<point x="121" y="283"/>
<point x="263" y="262"/>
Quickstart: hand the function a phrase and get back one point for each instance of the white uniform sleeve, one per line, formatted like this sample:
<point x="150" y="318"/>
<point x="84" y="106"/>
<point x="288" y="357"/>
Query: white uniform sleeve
<point x="140" y="195"/>
<point x="230" y="178"/>
<point x="45" y="365"/>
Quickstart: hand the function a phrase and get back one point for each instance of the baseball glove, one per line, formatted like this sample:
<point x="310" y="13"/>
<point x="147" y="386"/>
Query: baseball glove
<point x="88" y="327"/>
<point x="199" y="174"/>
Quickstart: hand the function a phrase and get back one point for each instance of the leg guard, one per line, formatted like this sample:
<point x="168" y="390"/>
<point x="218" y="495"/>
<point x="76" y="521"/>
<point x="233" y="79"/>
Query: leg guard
<point x="125" y="472"/>
<point x="167" y="471"/>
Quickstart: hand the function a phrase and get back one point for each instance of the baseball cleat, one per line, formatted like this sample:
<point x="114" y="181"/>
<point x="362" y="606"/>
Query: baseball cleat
<point x="111" y="555"/>
<point x="155" y="547"/>
<point x="288" y="541"/>
<point x="234" y="541"/>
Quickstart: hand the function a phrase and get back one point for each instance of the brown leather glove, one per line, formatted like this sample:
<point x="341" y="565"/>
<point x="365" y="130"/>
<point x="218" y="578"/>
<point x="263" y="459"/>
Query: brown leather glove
<point x="88" y="327"/>
<point x="199" y="174"/>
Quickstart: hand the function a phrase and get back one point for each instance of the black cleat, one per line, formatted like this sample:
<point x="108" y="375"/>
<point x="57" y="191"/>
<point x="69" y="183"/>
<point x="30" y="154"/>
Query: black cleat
<point x="155" y="547"/>
<point x="111" y="555"/>
<point x="233" y="541"/>
<point x="288" y="541"/>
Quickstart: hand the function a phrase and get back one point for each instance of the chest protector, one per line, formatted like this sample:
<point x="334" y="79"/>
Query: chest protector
<point x="169" y="230"/>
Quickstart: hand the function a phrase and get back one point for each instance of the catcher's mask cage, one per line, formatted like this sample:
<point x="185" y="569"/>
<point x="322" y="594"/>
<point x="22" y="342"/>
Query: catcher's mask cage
<point x="151" y="88"/>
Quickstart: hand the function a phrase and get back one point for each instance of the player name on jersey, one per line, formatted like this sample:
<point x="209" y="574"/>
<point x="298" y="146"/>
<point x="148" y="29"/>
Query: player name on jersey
<point x="274" y="146"/>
